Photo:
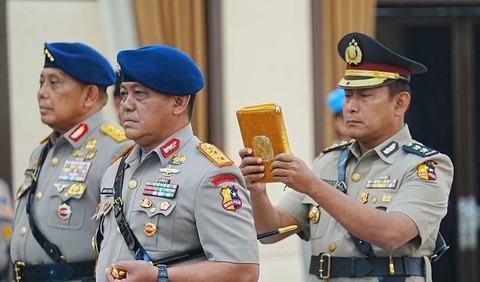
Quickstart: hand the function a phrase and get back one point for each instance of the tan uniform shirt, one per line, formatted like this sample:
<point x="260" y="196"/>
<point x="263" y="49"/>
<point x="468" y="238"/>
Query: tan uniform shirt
<point x="68" y="191"/>
<point x="209" y="208"/>
<point x="6" y="225"/>
<point x="386" y="178"/>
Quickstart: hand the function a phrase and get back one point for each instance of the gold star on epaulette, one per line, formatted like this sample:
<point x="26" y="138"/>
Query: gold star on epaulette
<point x="117" y="133"/>
<point x="215" y="155"/>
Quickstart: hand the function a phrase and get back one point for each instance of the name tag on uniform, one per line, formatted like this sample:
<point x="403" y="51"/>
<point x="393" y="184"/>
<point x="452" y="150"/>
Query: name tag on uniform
<point x="106" y="191"/>
<point x="75" y="171"/>
<point x="157" y="189"/>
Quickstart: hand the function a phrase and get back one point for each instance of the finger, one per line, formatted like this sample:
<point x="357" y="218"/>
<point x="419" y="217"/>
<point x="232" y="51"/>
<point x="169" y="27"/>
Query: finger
<point x="284" y="157"/>
<point x="108" y="274"/>
<point x="245" y="152"/>
<point x="251" y="161"/>
<point x="281" y="164"/>
<point x="280" y="172"/>
<point x="252" y="169"/>
<point x="253" y="177"/>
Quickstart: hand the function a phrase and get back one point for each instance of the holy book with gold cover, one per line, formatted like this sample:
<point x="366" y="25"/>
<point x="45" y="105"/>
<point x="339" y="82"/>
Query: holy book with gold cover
<point x="263" y="130"/>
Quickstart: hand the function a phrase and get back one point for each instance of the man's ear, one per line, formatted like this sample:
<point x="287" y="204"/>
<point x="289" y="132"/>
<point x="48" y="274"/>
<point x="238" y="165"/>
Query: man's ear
<point x="92" y="95"/>
<point x="402" y="102"/>
<point x="180" y="104"/>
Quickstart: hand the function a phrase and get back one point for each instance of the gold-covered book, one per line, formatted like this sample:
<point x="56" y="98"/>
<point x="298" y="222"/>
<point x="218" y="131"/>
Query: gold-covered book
<point x="263" y="129"/>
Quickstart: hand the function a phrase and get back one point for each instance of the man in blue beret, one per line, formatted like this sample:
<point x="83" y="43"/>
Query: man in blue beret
<point x="335" y="103"/>
<point x="172" y="193"/>
<point x="61" y="190"/>
<point x="371" y="207"/>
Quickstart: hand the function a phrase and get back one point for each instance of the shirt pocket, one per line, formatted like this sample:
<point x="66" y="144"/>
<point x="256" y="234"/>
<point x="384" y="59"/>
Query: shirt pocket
<point x="66" y="207"/>
<point x="153" y="220"/>
<point x="317" y="230"/>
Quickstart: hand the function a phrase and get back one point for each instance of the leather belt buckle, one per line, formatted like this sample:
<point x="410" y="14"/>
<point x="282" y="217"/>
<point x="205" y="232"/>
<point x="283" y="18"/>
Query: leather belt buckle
<point x="18" y="267"/>
<point x="325" y="259"/>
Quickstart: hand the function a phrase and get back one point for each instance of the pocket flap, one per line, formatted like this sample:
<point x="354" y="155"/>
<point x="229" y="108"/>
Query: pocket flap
<point x="153" y="206"/>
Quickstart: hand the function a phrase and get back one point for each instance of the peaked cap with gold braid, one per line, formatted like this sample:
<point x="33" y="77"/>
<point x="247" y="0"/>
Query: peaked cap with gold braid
<point x="370" y="64"/>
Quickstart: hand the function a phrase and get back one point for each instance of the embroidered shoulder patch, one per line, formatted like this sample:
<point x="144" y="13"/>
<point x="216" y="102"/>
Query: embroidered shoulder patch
<point x="419" y="149"/>
<point x="231" y="201"/>
<point x="338" y="146"/>
<point x="46" y="138"/>
<point x="215" y="155"/>
<point x="426" y="170"/>
<point x="117" y="133"/>
<point x="125" y="152"/>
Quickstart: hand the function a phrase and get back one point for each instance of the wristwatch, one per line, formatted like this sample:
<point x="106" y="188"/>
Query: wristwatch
<point x="162" y="273"/>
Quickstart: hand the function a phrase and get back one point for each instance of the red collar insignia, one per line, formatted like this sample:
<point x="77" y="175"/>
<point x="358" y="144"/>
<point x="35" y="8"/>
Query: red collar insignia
<point x="78" y="133"/>
<point x="170" y="147"/>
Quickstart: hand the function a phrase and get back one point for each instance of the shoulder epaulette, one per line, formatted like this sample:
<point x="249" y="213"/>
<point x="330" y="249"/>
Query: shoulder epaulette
<point x="338" y="146"/>
<point x="46" y="138"/>
<point x="214" y="154"/>
<point x="117" y="133"/>
<point x="125" y="152"/>
<point x="419" y="149"/>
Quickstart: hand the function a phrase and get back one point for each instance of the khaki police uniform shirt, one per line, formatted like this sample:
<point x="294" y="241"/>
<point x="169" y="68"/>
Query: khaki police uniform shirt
<point x="6" y="225"/>
<point x="68" y="190"/>
<point x="210" y="208"/>
<point x="419" y="188"/>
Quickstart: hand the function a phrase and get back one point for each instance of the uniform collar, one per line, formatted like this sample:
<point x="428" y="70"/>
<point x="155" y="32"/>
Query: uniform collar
<point x="77" y="135"/>
<point x="387" y="150"/>
<point x="167" y="149"/>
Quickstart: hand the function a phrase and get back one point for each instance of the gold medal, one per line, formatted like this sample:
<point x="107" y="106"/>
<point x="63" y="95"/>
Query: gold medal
<point x="178" y="159"/>
<point x="91" y="143"/>
<point x="150" y="229"/>
<point x="146" y="203"/>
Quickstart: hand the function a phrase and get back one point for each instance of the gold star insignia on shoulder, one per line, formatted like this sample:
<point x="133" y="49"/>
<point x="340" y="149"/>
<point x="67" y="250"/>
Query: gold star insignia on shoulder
<point x="117" y="133"/>
<point x="215" y="155"/>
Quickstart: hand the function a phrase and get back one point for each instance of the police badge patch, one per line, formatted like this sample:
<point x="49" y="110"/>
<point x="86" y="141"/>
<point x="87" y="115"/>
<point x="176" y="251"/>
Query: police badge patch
<point x="231" y="200"/>
<point x="426" y="170"/>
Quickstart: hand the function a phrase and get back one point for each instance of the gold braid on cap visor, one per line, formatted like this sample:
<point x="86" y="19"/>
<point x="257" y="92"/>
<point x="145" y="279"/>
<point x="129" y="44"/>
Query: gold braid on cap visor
<point x="374" y="78"/>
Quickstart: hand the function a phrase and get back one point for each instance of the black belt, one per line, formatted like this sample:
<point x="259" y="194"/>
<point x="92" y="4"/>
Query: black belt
<point x="326" y="266"/>
<point x="60" y="271"/>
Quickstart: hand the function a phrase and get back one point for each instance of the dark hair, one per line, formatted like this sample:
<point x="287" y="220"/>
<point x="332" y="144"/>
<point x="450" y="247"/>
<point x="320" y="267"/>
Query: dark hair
<point x="190" y="105"/>
<point x="398" y="87"/>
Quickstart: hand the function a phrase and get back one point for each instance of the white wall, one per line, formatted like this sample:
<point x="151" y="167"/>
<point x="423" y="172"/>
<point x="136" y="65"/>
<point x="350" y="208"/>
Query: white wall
<point x="30" y="23"/>
<point x="268" y="58"/>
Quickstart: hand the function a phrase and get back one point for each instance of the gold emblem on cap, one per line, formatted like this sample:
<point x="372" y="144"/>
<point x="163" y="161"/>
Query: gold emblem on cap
<point x="332" y="247"/>
<point x="356" y="177"/>
<point x="119" y="69"/>
<point x="353" y="53"/>
<point x="132" y="184"/>
<point x="54" y="161"/>
<point x="314" y="214"/>
<point x="364" y="198"/>
<point x="47" y="53"/>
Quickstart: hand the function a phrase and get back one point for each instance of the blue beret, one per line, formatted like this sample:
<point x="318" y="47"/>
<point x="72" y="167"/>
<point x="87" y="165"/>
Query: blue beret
<point x="162" y="69"/>
<point x="335" y="100"/>
<point x="80" y="62"/>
